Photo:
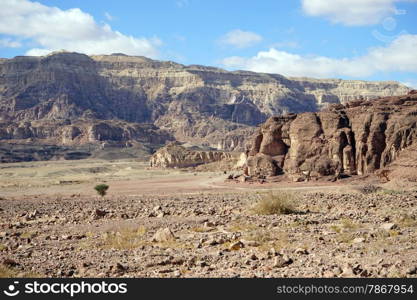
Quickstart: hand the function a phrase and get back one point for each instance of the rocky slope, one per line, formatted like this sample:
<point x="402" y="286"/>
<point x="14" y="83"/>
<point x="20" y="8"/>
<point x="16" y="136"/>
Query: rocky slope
<point x="198" y="104"/>
<point x="356" y="138"/>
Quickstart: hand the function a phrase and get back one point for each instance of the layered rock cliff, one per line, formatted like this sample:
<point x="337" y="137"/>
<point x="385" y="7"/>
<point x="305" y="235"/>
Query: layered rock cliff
<point x="40" y="97"/>
<point x="356" y="138"/>
<point x="174" y="155"/>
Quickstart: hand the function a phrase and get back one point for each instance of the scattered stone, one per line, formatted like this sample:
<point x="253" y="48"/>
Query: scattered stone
<point x="163" y="235"/>
<point x="282" y="261"/>
<point x="337" y="271"/>
<point x="236" y="246"/>
<point x="347" y="272"/>
<point x="358" y="240"/>
<point x="301" y="251"/>
<point x="117" y="268"/>
<point x="250" y="243"/>
<point x="98" y="213"/>
<point x="412" y="270"/>
<point x="10" y="262"/>
<point x="209" y="224"/>
<point x="388" y="226"/>
<point x="253" y="256"/>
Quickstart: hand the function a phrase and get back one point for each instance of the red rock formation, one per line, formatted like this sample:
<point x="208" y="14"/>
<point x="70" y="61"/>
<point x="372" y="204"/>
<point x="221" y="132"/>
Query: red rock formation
<point x="357" y="138"/>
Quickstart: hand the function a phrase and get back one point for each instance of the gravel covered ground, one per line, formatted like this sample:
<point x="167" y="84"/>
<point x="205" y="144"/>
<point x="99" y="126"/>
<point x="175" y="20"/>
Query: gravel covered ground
<point x="209" y="234"/>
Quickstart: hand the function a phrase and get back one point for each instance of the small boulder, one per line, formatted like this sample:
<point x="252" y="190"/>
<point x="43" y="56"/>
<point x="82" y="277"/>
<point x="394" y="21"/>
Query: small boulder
<point x="358" y="240"/>
<point x="388" y="226"/>
<point x="236" y="246"/>
<point x="281" y="261"/>
<point x="163" y="235"/>
<point x="98" y="213"/>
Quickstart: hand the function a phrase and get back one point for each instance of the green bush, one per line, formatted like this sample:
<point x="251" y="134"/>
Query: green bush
<point x="101" y="189"/>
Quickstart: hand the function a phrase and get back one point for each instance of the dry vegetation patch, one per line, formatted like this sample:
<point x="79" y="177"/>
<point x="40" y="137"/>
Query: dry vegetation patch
<point x="276" y="204"/>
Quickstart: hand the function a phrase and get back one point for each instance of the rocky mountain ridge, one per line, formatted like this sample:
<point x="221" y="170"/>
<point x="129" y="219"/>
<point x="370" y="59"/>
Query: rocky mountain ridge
<point x="40" y="97"/>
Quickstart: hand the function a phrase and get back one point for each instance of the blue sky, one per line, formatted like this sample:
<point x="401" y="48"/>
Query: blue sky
<point x="352" y="39"/>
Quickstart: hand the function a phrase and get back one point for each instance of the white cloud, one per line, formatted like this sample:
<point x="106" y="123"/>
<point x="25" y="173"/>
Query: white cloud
<point x="181" y="3"/>
<point x="398" y="56"/>
<point x="9" y="43"/>
<point x="73" y="30"/>
<point x="240" y="39"/>
<point x="352" y="12"/>
<point x="286" y="44"/>
<point x="108" y="16"/>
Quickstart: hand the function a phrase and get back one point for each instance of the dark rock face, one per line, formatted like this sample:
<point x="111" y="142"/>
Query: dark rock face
<point x="43" y="97"/>
<point x="357" y="138"/>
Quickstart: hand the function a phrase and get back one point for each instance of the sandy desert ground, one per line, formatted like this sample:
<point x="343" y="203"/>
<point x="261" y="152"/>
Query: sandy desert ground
<point x="182" y="223"/>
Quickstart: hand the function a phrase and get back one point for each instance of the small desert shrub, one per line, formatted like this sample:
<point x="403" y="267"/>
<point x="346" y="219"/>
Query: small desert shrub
<point x="101" y="189"/>
<point x="8" y="272"/>
<point x="28" y="235"/>
<point x="345" y="237"/>
<point x="239" y="226"/>
<point x="368" y="189"/>
<point x="345" y="224"/>
<point x="125" y="238"/>
<point x="263" y="235"/>
<point x="392" y="192"/>
<point x="406" y="220"/>
<point x="275" y="204"/>
<point x="268" y="239"/>
<point x="346" y="230"/>
<point x="349" y="224"/>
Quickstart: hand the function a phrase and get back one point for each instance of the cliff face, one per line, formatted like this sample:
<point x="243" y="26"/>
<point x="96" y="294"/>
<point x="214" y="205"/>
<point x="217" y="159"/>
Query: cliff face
<point x="356" y="138"/>
<point x="198" y="104"/>
<point x="174" y="155"/>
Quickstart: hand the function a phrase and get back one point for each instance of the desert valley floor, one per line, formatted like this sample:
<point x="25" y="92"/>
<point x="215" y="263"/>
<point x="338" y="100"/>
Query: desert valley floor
<point x="182" y="223"/>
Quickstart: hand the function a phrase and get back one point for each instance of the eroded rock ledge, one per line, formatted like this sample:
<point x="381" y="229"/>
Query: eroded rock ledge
<point x="357" y="138"/>
<point x="174" y="155"/>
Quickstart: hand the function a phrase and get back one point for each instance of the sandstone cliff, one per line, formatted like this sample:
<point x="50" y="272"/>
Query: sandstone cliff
<point x="174" y="155"/>
<point x="356" y="138"/>
<point x="41" y="96"/>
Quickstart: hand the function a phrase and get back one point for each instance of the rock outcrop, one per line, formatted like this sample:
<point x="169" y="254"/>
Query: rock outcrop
<point x="197" y="104"/>
<point x="174" y="155"/>
<point x="78" y="132"/>
<point x="356" y="138"/>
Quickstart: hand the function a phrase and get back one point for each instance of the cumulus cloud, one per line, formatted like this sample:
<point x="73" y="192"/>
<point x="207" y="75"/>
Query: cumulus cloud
<point x="352" y="12"/>
<point x="400" y="55"/>
<point x="240" y="39"/>
<point x="74" y="30"/>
